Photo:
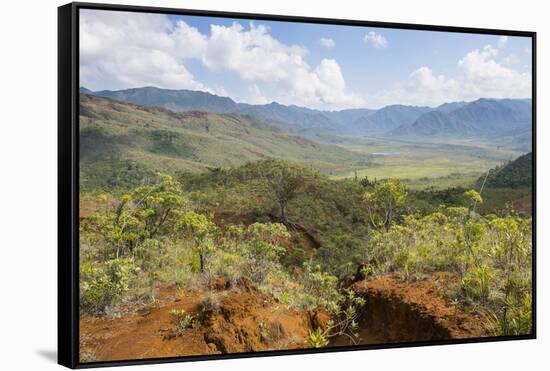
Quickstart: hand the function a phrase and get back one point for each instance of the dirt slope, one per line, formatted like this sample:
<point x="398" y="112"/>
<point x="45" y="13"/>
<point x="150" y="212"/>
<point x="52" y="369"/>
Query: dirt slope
<point x="249" y="321"/>
<point x="399" y="311"/>
<point x="246" y="321"/>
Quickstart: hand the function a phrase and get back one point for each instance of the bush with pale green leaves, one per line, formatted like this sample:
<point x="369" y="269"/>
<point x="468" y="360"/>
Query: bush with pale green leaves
<point x="103" y="284"/>
<point x="490" y="255"/>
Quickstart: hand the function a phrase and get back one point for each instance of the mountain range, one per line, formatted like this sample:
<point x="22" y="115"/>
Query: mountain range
<point x="482" y="118"/>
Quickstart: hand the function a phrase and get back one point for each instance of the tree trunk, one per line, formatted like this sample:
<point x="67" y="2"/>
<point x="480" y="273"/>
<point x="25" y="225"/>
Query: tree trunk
<point x="201" y="263"/>
<point x="283" y="212"/>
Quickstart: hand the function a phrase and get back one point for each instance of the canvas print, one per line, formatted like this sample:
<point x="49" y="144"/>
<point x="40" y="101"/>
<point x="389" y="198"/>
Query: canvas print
<point x="258" y="185"/>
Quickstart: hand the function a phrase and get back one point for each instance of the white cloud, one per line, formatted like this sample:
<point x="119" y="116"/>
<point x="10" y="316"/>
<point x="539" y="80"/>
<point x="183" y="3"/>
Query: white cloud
<point x="478" y="75"/>
<point x="253" y="53"/>
<point x="502" y="41"/>
<point x="376" y="40"/>
<point x="327" y="42"/>
<point x="119" y="51"/>
<point x="258" y="57"/>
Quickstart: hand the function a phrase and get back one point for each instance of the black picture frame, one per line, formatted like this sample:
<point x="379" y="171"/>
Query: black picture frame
<point x="68" y="179"/>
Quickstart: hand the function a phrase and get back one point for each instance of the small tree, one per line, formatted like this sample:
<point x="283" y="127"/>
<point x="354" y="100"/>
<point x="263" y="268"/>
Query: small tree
<point x="199" y="229"/>
<point x="137" y="216"/>
<point x="285" y="181"/>
<point x="384" y="201"/>
<point x="264" y="247"/>
<point x="159" y="205"/>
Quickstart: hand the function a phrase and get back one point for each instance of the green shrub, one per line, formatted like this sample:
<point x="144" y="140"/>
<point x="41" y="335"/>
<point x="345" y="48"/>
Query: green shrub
<point x="103" y="285"/>
<point x="476" y="285"/>
<point x="317" y="339"/>
<point x="182" y="320"/>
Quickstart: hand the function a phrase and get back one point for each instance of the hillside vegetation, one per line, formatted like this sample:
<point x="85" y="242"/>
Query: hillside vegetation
<point x="123" y="144"/>
<point x="514" y="174"/>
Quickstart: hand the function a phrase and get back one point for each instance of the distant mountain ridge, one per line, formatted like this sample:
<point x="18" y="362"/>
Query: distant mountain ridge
<point x="491" y="116"/>
<point x="174" y="100"/>
<point x="481" y="118"/>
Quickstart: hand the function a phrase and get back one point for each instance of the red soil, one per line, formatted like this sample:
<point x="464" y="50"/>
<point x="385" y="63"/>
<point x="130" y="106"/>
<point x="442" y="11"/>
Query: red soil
<point x="249" y="321"/>
<point x="246" y="321"/>
<point x="399" y="311"/>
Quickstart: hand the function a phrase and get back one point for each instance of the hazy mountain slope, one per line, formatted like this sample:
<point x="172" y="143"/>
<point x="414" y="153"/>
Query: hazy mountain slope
<point x="448" y="107"/>
<point x="291" y="118"/>
<point x="347" y="116"/>
<point x="118" y="138"/>
<point x="435" y="123"/>
<point x="495" y="116"/>
<point x="489" y="117"/>
<point x="482" y="118"/>
<point x="389" y="118"/>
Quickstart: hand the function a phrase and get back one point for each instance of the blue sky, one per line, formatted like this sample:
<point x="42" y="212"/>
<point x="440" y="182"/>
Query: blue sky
<point x="319" y="66"/>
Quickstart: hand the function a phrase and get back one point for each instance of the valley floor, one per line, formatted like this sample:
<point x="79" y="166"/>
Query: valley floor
<point x="439" y="163"/>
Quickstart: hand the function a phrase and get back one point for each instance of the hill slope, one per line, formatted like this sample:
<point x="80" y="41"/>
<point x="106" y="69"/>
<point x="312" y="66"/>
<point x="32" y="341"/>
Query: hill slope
<point x="121" y="143"/>
<point x="175" y="100"/>
<point x="515" y="174"/>
<point x="290" y="118"/>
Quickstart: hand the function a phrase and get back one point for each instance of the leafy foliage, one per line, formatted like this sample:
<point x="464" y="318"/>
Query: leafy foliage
<point x="182" y="320"/>
<point x="491" y="255"/>
<point x="514" y="174"/>
<point x="384" y="201"/>
<point x="102" y="285"/>
<point x="317" y="339"/>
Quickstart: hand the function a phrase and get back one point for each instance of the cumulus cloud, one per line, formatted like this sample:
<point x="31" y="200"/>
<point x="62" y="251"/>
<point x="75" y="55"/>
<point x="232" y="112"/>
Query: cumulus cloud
<point x="327" y="42"/>
<point x="376" y="40"/>
<point x="258" y="57"/>
<point x="478" y="75"/>
<point x="118" y="51"/>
